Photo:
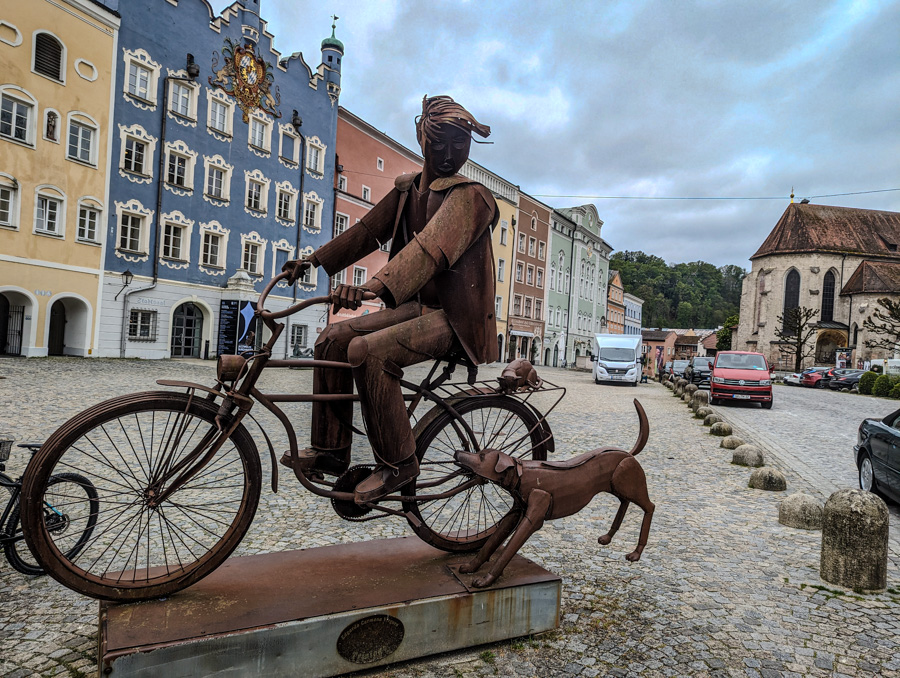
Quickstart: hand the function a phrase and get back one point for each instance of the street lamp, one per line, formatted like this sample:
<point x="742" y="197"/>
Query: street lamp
<point x="127" y="277"/>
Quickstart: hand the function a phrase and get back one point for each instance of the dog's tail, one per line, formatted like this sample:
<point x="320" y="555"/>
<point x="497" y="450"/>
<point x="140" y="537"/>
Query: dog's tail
<point x="644" y="430"/>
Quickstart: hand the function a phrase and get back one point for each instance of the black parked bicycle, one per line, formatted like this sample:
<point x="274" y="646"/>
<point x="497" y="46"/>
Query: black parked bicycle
<point x="70" y="508"/>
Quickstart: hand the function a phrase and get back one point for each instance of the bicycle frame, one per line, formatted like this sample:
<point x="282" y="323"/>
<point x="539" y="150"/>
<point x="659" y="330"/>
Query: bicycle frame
<point x="16" y="488"/>
<point x="243" y="373"/>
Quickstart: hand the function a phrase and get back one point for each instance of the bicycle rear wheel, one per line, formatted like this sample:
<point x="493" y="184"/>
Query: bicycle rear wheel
<point x="464" y="521"/>
<point x="70" y="511"/>
<point x="124" y="446"/>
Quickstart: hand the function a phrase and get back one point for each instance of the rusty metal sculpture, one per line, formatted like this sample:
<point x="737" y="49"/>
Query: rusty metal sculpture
<point x="546" y="490"/>
<point x="438" y="286"/>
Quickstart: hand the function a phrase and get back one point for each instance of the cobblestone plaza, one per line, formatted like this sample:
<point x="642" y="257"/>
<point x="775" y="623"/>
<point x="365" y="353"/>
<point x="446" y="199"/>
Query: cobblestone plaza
<point x="722" y="588"/>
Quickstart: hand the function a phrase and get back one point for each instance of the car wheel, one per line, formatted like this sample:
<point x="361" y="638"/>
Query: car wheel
<point x="715" y="401"/>
<point x="768" y="405"/>
<point x="866" y="473"/>
<point x="820" y="384"/>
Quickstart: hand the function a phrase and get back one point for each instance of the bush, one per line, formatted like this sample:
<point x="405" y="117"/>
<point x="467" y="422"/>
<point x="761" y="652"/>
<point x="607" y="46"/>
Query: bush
<point x="866" y="382"/>
<point x="882" y="386"/>
<point x="895" y="392"/>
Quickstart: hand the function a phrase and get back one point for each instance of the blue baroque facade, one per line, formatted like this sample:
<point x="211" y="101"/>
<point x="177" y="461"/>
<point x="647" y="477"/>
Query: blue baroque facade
<point x="222" y="169"/>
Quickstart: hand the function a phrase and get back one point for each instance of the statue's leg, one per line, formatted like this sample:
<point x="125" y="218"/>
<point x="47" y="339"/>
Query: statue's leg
<point x="377" y="359"/>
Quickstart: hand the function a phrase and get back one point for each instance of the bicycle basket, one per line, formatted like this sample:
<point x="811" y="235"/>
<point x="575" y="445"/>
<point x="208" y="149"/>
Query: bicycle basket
<point x="5" y="448"/>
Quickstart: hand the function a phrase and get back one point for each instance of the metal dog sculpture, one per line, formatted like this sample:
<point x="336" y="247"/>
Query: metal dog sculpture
<point x="546" y="490"/>
<point x="517" y="374"/>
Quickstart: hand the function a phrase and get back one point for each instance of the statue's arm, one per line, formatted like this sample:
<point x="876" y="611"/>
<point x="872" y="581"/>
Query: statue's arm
<point x="364" y="237"/>
<point x="465" y="214"/>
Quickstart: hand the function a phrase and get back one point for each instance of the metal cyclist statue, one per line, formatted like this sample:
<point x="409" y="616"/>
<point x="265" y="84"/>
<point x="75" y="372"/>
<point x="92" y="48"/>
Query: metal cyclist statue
<point x="438" y="289"/>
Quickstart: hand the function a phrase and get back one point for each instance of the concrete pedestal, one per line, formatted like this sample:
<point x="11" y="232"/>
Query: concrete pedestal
<point x="324" y="612"/>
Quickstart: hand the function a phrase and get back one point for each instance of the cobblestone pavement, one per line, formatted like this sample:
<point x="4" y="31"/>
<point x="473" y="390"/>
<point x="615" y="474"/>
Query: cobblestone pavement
<point x="722" y="589"/>
<point x="812" y="432"/>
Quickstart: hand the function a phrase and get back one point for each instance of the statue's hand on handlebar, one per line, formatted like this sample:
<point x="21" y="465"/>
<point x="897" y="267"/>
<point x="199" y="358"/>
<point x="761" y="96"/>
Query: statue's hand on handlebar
<point x="347" y="296"/>
<point x="298" y="267"/>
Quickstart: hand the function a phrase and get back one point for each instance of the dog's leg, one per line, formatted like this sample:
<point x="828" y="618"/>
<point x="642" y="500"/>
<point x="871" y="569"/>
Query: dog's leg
<point x="616" y="524"/>
<point x="506" y="526"/>
<point x="629" y="483"/>
<point x="538" y="505"/>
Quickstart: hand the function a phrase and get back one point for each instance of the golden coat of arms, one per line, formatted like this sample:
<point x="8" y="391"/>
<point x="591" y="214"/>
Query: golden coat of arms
<point x="246" y="77"/>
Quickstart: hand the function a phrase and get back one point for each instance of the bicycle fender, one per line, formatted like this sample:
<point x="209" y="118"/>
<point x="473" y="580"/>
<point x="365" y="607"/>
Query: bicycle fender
<point x="188" y="384"/>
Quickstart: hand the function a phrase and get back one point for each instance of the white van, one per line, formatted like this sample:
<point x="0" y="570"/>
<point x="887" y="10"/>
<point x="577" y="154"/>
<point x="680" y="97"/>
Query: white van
<point x="617" y="357"/>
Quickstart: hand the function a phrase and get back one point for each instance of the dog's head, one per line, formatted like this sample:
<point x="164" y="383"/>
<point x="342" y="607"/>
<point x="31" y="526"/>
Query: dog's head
<point x="491" y="464"/>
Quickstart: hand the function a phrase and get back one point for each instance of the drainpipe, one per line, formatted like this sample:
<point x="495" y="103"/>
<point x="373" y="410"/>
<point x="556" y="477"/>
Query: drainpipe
<point x="569" y="292"/>
<point x="843" y="257"/>
<point x="297" y="122"/>
<point x="193" y="70"/>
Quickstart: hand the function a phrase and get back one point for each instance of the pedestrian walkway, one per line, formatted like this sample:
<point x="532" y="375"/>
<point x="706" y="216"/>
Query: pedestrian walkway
<point x="721" y="590"/>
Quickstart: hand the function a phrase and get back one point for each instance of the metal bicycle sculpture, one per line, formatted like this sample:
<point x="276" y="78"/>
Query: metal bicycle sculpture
<point x="178" y="474"/>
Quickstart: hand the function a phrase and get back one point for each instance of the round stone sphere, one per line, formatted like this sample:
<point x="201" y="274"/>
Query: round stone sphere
<point x="702" y="412"/>
<point x="690" y="388"/>
<point x="711" y="419"/>
<point x="855" y="540"/>
<point x="687" y="399"/>
<point x="699" y="399"/>
<point x="802" y="511"/>
<point x="720" y="428"/>
<point x="731" y="442"/>
<point x="748" y="455"/>
<point x="767" y="478"/>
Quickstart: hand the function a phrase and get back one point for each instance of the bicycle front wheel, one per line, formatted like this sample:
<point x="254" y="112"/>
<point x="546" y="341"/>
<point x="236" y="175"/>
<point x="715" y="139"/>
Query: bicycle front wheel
<point x="465" y="520"/>
<point x="70" y="510"/>
<point x="139" y="548"/>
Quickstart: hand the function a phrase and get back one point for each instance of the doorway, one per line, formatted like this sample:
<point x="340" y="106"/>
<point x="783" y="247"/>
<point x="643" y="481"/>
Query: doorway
<point x="187" y="330"/>
<point x="56" y="341"/>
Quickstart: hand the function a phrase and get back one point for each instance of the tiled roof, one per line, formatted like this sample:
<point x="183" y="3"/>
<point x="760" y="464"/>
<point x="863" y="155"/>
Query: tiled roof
<point x="710" y="340"/>
<point x="874" y="277"/>
<point x="654" y="335"/>
<point x="822" y="228"/>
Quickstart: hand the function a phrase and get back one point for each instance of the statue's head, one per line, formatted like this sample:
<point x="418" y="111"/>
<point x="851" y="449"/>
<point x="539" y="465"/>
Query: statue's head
<point x="444" y="131"/>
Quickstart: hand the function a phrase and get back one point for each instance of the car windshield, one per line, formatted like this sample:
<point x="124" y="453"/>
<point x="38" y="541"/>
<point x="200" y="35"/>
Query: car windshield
<point x="617" y="355"/>
<point x="701" y="362"/>
<point x="740" y="361"/>
<point x="680" y="364"/>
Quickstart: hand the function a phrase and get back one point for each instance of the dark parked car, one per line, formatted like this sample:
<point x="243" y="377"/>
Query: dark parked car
<point x="677" y="368"/>
<point x="848" y="380"/>
<point x="698" y="370"/>
<point x="877" y="453"/>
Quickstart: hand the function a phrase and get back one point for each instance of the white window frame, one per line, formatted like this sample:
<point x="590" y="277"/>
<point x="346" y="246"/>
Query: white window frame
<point x="180" y="149"/>
<point x="47" y="192"/>
<point x="532" y="244"/>
<point x="219" y="97"/>
<point x="318" y="168"/>
<point x="379" y="164"/>
<point x="81" y="123"/>
<point x="538" y="308"/>
<point x="141" y="58"/>
<point x="137" y="133"/>
<point x="504" y="231"/>
<point x="542" y="250"/>
<point x="312" y="200"/>
<point x="256" y="178"/>
<point x="366" y="193"/>
<point x="28" y="103"/>
<point x="217" y="162"/>
<point x="152" y="323"/>
<point x="501" y="269"/>
<point x="340" y="227"/>
<point x="134" y="209"/>
<point x="215" y="229"/>
<point x="338" y="278"/>
<point x="302" y="340"/>
<point x="520" y="271"/>
<point x="281" y="246"/>
<point x="88" y="205"/>
<point x="498" y="307"/>
<point x="253" y="238"/>
<point x="521" y="244"/>
<point x="187" y="118"/>
<point x="517" y="305"/>
<point x="288" y="157"/>
<point x="63" y="57"/>
<point x="251" y="256"/>
<point x="539" y="278"/>
<point x="260" y="144"/>
<point x="173" y="241"/>
<point x="9" y="183"/>
<point x="529" y="275"/>
<point x="360" y="274"/>
<point x="342" y="183"/>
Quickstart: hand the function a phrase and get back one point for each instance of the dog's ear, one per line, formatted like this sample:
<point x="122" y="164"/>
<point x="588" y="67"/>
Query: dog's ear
<point x="504" y="463"/>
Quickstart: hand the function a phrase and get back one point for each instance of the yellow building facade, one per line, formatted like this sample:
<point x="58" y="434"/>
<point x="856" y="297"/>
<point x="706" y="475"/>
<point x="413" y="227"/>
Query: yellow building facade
<point x="55" y="113"/>
<point x="503" y="237"/>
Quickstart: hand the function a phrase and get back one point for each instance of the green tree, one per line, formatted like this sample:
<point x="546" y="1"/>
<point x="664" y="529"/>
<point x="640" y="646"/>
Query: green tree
<point x="723" y="336"/>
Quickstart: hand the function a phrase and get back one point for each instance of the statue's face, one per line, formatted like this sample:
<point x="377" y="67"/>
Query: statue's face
<point x="449" y="151"/>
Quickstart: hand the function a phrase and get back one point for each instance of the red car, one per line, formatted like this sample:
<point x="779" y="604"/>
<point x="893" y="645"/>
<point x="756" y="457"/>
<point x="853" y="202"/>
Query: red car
<point x="816" y="378"/>
<point x="741" y="375"/>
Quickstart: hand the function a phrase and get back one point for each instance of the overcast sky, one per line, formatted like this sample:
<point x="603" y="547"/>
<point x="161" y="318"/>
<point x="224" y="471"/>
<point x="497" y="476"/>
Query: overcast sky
<point x="662" y="98"/>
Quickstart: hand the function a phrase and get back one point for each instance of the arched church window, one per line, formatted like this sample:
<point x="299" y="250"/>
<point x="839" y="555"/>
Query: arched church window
<point x="791" y="293"/>
<point x="828" y="297"/>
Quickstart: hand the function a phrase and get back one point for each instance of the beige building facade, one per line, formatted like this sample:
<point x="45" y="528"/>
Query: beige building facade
<point x="818" y="257"/>
<point x="55" y="112"/>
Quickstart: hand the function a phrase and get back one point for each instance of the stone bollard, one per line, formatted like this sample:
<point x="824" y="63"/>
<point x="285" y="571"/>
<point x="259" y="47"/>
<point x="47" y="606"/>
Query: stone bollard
<point x="731" y="442"/>
<point x="711" y="419"/>
<point x="690" y="388"/>
<point x="699" y="399"/>
<point x="720" y="428"/>
<point x="686" y="398"/>
<point x="702" y="412"/>
<point x="767" y="478"/>
<point x="748" y="455"/>
<point x="802" y="511"/>
<point x="855" y="540"/>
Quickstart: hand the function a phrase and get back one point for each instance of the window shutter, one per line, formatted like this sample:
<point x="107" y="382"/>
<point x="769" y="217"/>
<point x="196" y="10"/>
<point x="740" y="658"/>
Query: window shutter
<point x="48" y="56"/>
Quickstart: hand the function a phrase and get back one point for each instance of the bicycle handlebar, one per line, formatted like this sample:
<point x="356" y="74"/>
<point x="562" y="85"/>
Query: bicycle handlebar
<point x="299" y="306"/>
